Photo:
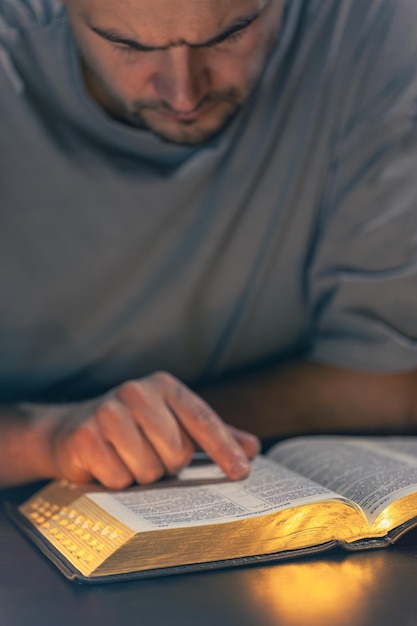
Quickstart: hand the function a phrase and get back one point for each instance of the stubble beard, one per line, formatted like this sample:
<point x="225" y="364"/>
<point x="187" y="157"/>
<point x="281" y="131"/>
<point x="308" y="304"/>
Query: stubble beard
<point x="225" y="105"/>
<point x="139" y="114"/>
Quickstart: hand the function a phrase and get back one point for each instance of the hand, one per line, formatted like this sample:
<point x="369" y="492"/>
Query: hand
<point x="142" y="431"/>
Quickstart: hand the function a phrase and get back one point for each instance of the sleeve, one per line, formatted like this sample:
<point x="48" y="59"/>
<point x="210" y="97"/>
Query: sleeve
<point x="362" y="274"/>
<point x="15" y="17"/>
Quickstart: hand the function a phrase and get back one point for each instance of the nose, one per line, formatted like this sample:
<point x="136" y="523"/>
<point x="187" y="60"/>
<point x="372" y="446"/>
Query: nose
<point x="182" y="79"/>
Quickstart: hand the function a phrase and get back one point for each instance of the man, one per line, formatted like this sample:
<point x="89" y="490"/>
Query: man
<point x="219" y="192"/>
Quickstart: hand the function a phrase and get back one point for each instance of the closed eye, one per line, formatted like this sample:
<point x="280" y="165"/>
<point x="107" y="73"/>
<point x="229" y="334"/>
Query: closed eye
<point x="233" y="38"/>
<point x="129" y="50"/>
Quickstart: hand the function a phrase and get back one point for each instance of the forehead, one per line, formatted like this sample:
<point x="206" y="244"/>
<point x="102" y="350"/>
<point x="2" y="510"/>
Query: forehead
<point x="148" y="15"/>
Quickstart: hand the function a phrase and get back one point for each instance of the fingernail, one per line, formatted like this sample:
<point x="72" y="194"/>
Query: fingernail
<point x="239" y="469"/>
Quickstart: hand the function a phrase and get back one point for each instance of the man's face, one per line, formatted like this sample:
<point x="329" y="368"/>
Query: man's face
<point x="181" y="68"/>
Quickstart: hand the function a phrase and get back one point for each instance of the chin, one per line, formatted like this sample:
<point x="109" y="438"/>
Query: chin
<point x="186" y="133"/>
<point x="185" y="138"/>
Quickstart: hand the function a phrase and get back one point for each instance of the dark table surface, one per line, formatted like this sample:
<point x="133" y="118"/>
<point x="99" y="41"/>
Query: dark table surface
<point x="373" y="588"/>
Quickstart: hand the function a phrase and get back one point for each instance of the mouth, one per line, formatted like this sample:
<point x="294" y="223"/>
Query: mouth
<point x="188" y="118"/>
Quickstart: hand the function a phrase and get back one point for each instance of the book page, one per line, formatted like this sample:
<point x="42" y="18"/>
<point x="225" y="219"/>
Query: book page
<point x="270" y="487"/>
<point x="401" y="445"/>
<point x="360" y="469"/>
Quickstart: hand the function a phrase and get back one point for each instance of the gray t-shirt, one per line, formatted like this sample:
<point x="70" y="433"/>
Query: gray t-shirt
<point x="291" y="234"/>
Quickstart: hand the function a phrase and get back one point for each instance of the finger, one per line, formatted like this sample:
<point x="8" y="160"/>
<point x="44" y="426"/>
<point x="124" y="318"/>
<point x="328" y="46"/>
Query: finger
<point x="92" y="457"/>
<point x="118" y="427"/>
<point x="171" y="443"/>
<point x="208" y="430"/>
<point x="250" y="443"/>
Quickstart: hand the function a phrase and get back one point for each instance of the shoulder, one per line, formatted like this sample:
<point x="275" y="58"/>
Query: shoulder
<point x="365" y="40"/>
<point x="388" y="24"/>
<point x="383" y="27"/>
<point x="373" y="54"/>
<point x="22" y="14"/>
<point x="352" y="22"/>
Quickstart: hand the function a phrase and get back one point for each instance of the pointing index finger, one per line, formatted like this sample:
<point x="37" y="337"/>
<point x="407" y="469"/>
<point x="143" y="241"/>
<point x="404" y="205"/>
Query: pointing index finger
<point x="208" y="430"/>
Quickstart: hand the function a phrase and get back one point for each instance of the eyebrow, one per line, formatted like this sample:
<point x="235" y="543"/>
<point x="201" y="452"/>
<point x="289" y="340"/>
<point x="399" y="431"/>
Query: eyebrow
<point x="238" y="25"/>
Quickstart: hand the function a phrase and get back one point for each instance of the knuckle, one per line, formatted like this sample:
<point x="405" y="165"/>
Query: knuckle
<point x="127" y="388"/>
<point x="84" y="433"/>
<point x="107" y="411"/>
<point x="132" y="392"/>
<point x="163" y="378"/>
<point x="205" y="416"/>
<point x="109" y="418"/>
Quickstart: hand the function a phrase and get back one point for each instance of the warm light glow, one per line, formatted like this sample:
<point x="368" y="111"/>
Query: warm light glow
<point x="317" y="593"/>
<point x="398" y="513"/>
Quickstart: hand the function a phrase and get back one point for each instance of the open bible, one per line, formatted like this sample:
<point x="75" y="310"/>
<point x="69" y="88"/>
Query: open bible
<point x="306" y="495"/>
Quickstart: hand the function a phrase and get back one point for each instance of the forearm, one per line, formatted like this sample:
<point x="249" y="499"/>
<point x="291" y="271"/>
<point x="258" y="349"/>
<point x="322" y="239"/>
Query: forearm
<point x="25" y="454"/>
<point x="308" y="397"/>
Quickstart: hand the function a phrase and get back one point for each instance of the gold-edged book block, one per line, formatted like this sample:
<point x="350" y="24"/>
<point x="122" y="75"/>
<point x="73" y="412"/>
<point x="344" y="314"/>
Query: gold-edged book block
<point x="97" y="544"/>
<point x="79" y="529"/>
<point x="202" y="521"/>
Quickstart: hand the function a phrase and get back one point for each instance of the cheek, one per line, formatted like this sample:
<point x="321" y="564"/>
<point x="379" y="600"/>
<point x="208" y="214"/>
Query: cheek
<point x="233" y="69"/>
<point x="257" y="58"/>
<point x="127" y="79"/>
<point x="107" y="65"/>
<point x="121" y="75"/>
<point x="241" y="64"/>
